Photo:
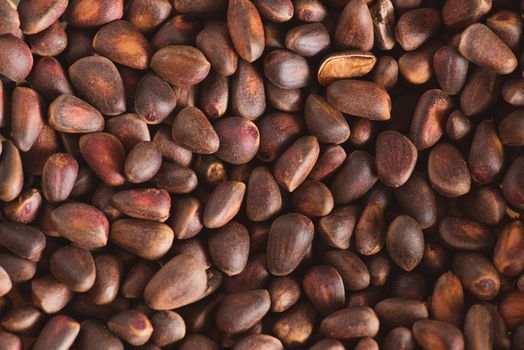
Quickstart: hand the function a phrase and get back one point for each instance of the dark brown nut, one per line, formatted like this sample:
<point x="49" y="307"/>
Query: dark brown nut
<point x="447" y="301"/>
<point x="478" y="328"/>
<point x="36" y="16"/>
<point x="337" y="227"/>
<point x="169" y="149"/>
<point x="457" y="125"/>
<point x="14" y="69"/>
<point x="263" y="198"/>
<point x="284" y="292"/>
<point x="513" y="91"/>
<point x="277" y="132"/>
<point x="286" y="100"/>
<point x="105" y="88"/>
<point x="383" y="15"/>
<point x="512" y="185"/>
<point x="10" y="341"/>
<point x="27" y="113"/>
<point x="324" y="122"/>
<point x="354" y="178"/>
<point x="295" y="164"/>
<point x="360" y="98"/>
<point x="180" y="65"/>
<point x="508" y="255"/>
<point x="94" y="334"/>
<point x="485" y="204"/>
<point x="147" y="203"/>
<point x="193" y="131"/>
<point x="451" y="69"/>
<point x="457" y="14"/>
<point x="465" y="234"/>
<point x="427" y="125"/>
<point x="308" y="40"/>
<point x="330" y="159"/>
<point x="11" y="172"/>
<point x="247" y="92"/>
<point x="486" y="156"/>
<point x="508" y="26"/>
<point x="237" y="312"/>
<point x="137" y="277"/>
<point x="289" y="239"/>
<point x="215" y="43"/>
<point x="49" y="295"/>
<point x="275" y="10"/>
<point x="70" y="114"/>
<point x="229" y="248"/>
<point x="239" y="140"/>
<point x="409" y="285"/>
<point x="399" y="338"/>
<point x="353" y="271"/>
<point x="324" y="287"/>
<point x="108" y="275"/>
<point x="379" y="267"/>
<point x="447" y="170"/>
<point x="143" y="162"/>
<point x="417" y="66"/>
<point x="273" y="35"/>
<point x="9" y="18"/>
<point x="396" y="157"/>
<point x="477" y="274"/>
<point x="510" y="129"/>
<point x="352" y="322"/>
<point x="246" y="29"/>
<point x="197" y="341"/>
<point x="24" y="209"/>
<point x="74" y="267"/>
<point x="510" y="308"/>
<point x="93" y="13"/>
<point x="381" y="195"/>
<point x="84" y="307"/>
<point x="286" y="69"/>
<point x="147" y="239"/>
<point x="59" y="333"/>
<point x="59" y="176"/>
<point x="196" y="247"/>
<point x="296" y="326"/>
<point x="253" y="276"/>
<point x="396" y="312"/>
<point x="223" y="203"/>
<point x="18" y="269"/>
<point x="50" y="42"/>
<point x="105" y="155"/>
<point x="367" y="343"/>
<point x="168" y="328"/>
<point x="132" y="326"/>
<point x="479" y="44"/>
<point x="310" y="10"/>
<point x="181" y="281"/>
<point x="80" y="44"/>
<point x="23" y="240"/>
<point x="129" y="129"/>
<point x="103" y="199"/>
<point x="416" y="198"/>
<point x="327" y="344"/>
<point x="147" y="15"/>
<point x="354" y="28"/>
<point x="175" y="178"/>
<point x="122" y="43"/>
<point x="259" y="341"/>
<point x="312" y="198"/>
<point x="179" y="30"/>
<point x="385" y="72"/>
<point x="437" y="335"/>
<point x="480" y="92"/>
<point x="405" y="242"/>
<point x="5" y="282"/>
<point x="81" y="223"/>
<point x="214" y="95"/>
<point x="154" y="99"/>
<point x="415" y="27"/>
<point x="187" y="221"/>
<point x="200" y="8"/>
<point x="370" y="231"/>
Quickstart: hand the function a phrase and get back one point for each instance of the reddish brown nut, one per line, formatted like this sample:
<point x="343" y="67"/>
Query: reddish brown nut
<point x="132" y="326"/>
<point x="27" y="113"/>
<point x="395" y="312"/>
<point x="277" y="132"/>
<point x="396" y="157"/>
<point x="93" y="13"/>
<point x="239" y="140"/>
<point x="109" y="271"/>
<point x="477" y="274"/>
<point x="154" y="99"/>
<point x="180" y="65"/>
<point x="78" y="276"/>
<point x="457" y="14"/>
<point x="345" y="65"/>
<point x="248" y="98"/>
<point x="308" y="40"/>
<point x="59" y="176"/>
<point x="480" y="92"/>
<point x="11" y="172"/>
<point x="354" y="27"/>
<point x="349" y="323"/>
<point x="337" y="227"/>
<point x="295" y="326"/>
<point x="223" y="203"/>
<point x="417" y="66"/>
<point x="93" y="333"/>
<point x="508" y="255"/>
<point x="263" y="198"/>
<point x="143" y="162"/>
<point x="15" y="69"/>
<point x="451" y="69"/>
<point x="69" y="114"/>
<point x="229" y="248"/>
<point x="237" y="312"/>
<point x="50" y="42"/>
<point x="49" y="295"/>
<point x="245" y="28"/>
<point x="23" y="240"/>
<point x="214" y="41"/>
<point x="24" y="209"/>
<point x="324" y="122"/>
<point x="438" y="335"/>
<point x="415" y="27"/>
<point x="324" y="288"/>
<point x="448" y="172"/>
<point x="284" y="292"/>
<point x="59" y="332"/>
<point x="9" y="18"/>
<point x="447" y="301"/>
<point x="193" y="131"/>
<point x="370" y="234"/>
<point x="510" y="129"/>
<point x="286" y="69"/>
<point x="351" y="268"/>
<point x="168" y="328"/>
<point x="147" y="203"/>
<point x="465" y="234"/>
<point x="405" y="242"/>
